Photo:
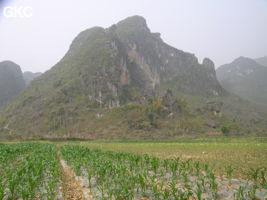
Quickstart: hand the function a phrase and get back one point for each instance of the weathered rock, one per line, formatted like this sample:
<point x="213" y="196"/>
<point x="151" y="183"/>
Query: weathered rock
<point x="168" y="99"/>
<point x="211" y="123"/>
<point x="254" y="117"/>
<point x="214" y="106"/>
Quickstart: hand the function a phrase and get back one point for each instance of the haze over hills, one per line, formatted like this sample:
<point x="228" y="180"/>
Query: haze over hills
<point x="11" y="81"/>
<point x="245" y="78"/>
<point x="262" y="61"/>
<point x="29" y="76"/>
<point x="125" y="82"/>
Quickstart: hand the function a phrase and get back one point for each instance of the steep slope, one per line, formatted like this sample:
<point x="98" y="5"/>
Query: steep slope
<point x="11" y="81"/>
<point x="29" y="76"/>
<point x="156" y="62"/>
<point x="262" y="61"/>
<point x="246" y="78"/>
<point x="120" y="82"/>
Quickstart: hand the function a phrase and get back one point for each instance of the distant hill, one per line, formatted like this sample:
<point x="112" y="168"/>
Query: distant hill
<point x="246" y="78"/>
<point x="29" y="76"/>
<point x="262" y="61"/>
<point x="11" y="81"/>
<point x="125" y="82"/>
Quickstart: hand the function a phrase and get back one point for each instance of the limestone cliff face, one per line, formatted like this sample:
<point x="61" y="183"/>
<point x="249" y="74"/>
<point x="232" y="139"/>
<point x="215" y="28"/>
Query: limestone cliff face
<point x="154" y="62"/>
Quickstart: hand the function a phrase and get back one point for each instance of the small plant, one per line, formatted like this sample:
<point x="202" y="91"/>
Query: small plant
<point x="199" y="191"/>
<point x="255" y="174"/>
<point x="174" y="189"/>
<point x="263" y="180"/>
<point x="229" y="171"/>
<point x="155" y="192"/>
<point x="225" y="129"/>
<point x="2" y="191"/>
<point x="252" y="192"/>
<point x="240" y="195"/>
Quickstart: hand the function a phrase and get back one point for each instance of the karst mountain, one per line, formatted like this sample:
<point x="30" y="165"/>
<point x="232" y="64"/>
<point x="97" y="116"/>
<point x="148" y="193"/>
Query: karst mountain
<point x="125" y="82"/>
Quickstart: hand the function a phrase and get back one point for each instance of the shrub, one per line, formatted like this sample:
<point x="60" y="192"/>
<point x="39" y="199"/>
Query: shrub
<point x="225" y="129"/>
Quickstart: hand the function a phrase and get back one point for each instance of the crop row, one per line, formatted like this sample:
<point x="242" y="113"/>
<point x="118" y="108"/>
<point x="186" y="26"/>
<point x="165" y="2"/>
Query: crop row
<point x="115" y="175"/>
<point x="36" y="176"/>
<point x="12" y="152"/>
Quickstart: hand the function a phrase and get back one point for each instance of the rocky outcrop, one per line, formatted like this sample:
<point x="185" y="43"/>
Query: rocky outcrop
<point x="211" y="123"/>
<point x="168" y="99"/>
<point x="155" y="62"/>
<point x="214" y="106"/>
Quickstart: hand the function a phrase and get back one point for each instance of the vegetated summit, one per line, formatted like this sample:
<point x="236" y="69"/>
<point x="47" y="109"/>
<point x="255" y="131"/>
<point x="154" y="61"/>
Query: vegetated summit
<point x="124" y="82"/>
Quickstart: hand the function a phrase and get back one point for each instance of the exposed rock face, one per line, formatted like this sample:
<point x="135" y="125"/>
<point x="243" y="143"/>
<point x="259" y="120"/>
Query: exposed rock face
<point x="246" y="78"/>
<point x="168" y="99"/>
<point x="214" y="106"/>
<point x="29" y="76"/>
<point x="156" y="62"/>
<point x="11" y="81"/>
<point x="211" y="123"/>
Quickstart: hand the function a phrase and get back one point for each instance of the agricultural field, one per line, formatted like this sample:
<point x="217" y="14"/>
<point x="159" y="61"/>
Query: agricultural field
<point x="185" y="169"/>
<point x="242" y="153"/>
<point x="29" y="171"/>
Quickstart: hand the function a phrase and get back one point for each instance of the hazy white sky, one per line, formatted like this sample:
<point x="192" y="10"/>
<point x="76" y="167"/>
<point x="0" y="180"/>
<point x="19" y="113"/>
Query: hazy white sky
<point x="219" y="29"/>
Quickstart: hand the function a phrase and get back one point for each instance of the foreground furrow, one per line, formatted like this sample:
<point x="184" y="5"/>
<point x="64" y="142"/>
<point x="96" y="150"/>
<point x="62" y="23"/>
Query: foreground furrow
<point x="72" y="187"/>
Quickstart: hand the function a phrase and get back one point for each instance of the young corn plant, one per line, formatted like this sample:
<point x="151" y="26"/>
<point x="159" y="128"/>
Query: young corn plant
<point x="199" y="191"/>
<point x="229" y="172"/>
<point x="240" y="194"/>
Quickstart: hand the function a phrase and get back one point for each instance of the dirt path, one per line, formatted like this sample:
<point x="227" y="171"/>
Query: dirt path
<point x="72" y="187"/>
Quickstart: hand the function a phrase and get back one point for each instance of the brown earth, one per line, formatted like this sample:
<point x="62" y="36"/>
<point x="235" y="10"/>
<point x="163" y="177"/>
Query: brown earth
<point x="72" y="187"/>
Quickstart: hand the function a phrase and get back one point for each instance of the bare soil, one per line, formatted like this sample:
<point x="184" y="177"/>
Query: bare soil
<point x="72" y="187"/>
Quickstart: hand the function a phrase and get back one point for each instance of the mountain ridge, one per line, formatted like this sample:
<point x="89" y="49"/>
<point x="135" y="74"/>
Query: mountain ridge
<point x="121" y="82"/>
<point x="262" y="61"/>
<point x="246" y="78"/>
